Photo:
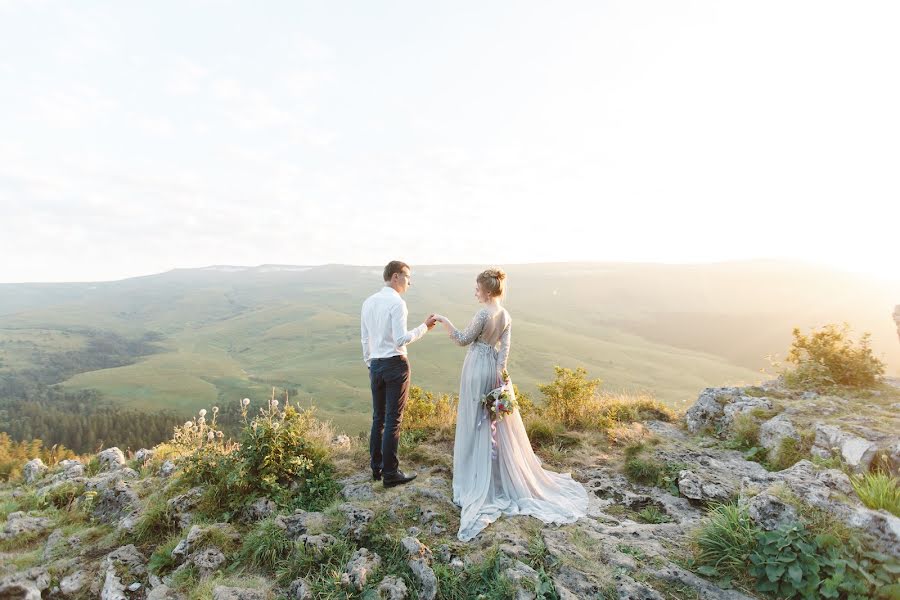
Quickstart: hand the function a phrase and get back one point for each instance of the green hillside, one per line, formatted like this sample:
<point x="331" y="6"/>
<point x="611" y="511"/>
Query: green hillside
<point x="226" y="333"/>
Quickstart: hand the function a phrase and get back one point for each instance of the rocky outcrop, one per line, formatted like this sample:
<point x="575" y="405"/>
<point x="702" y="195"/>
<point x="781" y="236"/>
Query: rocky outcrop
<point x="33" y="470"/>
<point x="716" y="408"/>
<point x="363" y="563"/>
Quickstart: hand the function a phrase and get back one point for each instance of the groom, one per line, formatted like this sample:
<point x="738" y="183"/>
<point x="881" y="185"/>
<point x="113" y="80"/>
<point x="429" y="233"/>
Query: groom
<point x="384" y="341"/>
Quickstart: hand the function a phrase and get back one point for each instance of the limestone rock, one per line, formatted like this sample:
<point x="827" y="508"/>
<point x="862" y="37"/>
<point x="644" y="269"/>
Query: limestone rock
<point x="358" y="491"/>
<point x="167" y="468"/>
<point x="143" y="455"/>
<point x="426" y="577"/>
<point x="183" y="506"/>
<point x="221" y="592"/>
<point x="300" y="590"/>
<point x="358" y="520"/>
<point x="73" y="583"/>
<point x="769" y="512"/>
<point x="111" y="459"/>
<point x="113" y="503"/>
<point x="261" y="509"/>
<point x="524" y="580"/>
<point x="629" y="589"/>
<point x="19" y="523"/>
<point x="208" y="561"/>
<point x="392" y="588"/>
<point x="699" y="487"/>
<point x="774" y="430"/>
<point x="33" y="470"/>
<point x="301" y="522"/>
<point x="360" y="567"/>
<point x="415" y="548"/>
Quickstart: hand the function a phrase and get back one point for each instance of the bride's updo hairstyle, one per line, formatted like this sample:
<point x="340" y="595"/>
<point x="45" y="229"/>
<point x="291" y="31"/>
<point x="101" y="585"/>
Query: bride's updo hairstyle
<point x="492" y="282"/>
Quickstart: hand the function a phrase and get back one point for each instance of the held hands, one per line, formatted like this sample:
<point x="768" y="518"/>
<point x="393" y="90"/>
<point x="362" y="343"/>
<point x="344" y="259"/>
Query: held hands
<point x="430" y="322"/>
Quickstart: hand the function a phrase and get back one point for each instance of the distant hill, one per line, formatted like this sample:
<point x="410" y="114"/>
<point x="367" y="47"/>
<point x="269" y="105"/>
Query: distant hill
<point x="229" y="332"/>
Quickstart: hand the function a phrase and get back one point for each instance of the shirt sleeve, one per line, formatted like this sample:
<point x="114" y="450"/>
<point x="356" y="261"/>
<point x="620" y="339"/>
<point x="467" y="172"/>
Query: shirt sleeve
<point x="399" y="316"/>
<point x="364" y="336"/>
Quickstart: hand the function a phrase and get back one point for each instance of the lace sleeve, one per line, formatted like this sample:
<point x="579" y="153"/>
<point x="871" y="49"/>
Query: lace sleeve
<point x="470" y="333"/>
<point x="503" y="355"/>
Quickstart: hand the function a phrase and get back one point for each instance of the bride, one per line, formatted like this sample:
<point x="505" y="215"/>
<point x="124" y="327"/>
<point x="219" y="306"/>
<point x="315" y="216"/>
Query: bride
<point x="495" y="471"/>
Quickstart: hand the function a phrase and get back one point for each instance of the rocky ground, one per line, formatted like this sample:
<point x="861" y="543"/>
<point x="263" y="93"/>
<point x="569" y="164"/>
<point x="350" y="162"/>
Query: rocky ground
<point x="635" y="543"/>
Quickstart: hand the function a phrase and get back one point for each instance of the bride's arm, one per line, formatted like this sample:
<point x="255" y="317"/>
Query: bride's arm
<point x="467" y="335"/>
<point x="503" y="355"/>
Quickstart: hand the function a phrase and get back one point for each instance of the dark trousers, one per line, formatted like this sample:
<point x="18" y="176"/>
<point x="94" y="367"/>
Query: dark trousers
<point x="390" y="386"/>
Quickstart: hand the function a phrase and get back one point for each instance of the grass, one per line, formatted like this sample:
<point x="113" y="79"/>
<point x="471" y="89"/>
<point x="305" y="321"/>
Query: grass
<point x="878" y="490"/>
<point x="156" y="522"/>
<point x="642" y="470"/>
<point x="790" y="451"/>
<point x="652" y="514"/>
<point x="161" y="561"/>
<point x="265" y="547"/>
<point x="725" y="539"/>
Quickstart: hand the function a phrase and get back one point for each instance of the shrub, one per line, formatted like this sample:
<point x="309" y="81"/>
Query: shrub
<point x="828" y="357"/>
<point x="542" y="431"/>
<point x="161" y="561"/>
<point x="725" y="540"/>
<point x="427" y="413"/>
<point x="878" y="490"/>
<point x="569" y="397"/>
<point x="572" y="400"/>
<point x="283" y="455"/>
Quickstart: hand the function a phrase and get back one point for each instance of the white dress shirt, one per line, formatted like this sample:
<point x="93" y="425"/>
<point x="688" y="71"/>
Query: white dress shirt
<point x="383" y="326"/>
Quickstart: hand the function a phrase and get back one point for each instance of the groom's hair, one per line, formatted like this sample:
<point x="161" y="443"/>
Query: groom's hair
<point x="395" y="266"/>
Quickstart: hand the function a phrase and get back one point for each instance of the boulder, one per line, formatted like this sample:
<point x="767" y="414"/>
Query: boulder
<point x="773" y="431"/>
<point x="392" y="588"/>
<point x="360" y="567"/>
<point x="19" y="523"/>
<point x="427" y="578"/>
<point x="33" y="470"/>
<point x="358" y="520"/>
<point x="111" y="459"/>
<point x="114" y="503"/>
<point x="221" y="592"/>
<point x="300" y="590"/>
<point x="769" y="512"/>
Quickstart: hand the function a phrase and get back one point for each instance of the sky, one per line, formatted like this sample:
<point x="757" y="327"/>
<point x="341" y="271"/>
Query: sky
<point x="140" y="137"/>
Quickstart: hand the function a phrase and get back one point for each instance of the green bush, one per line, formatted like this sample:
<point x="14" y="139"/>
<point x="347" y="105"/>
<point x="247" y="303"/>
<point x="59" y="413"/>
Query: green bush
<point x="828" y="358"/>
<point x="568" y="398"/>
<point x="784" y="563"/>
<point x="878" y="490"/>
<point x="725" y="540"/>
<point x="282" y="455"/>
<point x="425" y="412"/>
<point x="542" y="431"/>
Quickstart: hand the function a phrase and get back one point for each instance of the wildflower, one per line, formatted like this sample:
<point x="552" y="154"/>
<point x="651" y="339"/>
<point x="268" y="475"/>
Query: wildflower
<point x="202" y="412"/>
<point x="188" y="424"/>
<point x="201" y="420"/>
<point x="274" y="402"/>
<point x="215" y="409"/>
<point x="245" y="402"/>
<point x="210" y="436"/>
<point x="220" y="435"/>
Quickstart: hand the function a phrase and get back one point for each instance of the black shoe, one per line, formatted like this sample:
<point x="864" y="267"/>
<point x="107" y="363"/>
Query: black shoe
<point x="398" y="478"/>
<point x="376" y="475"/>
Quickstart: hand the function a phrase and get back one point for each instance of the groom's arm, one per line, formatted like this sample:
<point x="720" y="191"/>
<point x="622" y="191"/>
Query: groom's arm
<point x="364" y="336"/>
<point x="402" y="337"/>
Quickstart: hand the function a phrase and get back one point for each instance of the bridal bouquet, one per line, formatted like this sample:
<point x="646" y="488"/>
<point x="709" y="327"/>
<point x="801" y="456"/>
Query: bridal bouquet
<point x="500" y="401"/>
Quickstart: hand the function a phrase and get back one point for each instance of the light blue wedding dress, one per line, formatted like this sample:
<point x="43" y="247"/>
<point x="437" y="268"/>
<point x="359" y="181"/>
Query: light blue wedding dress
<point x="495" y="471"/>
